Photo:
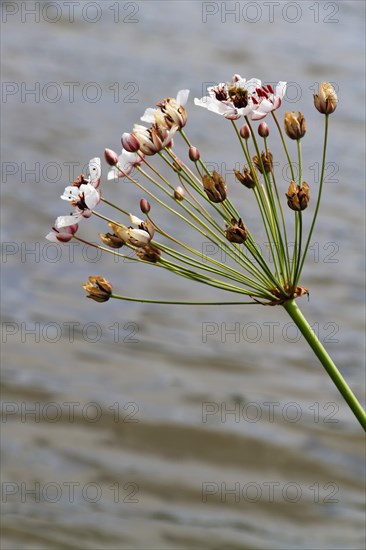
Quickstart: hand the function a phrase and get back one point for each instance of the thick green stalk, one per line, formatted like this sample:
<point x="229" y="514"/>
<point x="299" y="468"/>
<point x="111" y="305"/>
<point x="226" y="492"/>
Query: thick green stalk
<point x="311" y="338"/>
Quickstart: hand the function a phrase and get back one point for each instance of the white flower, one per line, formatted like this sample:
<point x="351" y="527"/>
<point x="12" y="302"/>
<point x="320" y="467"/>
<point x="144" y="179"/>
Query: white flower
<point x="126" y="162"/>
<point x="84" y="199"/>
<point x="243" y="98"/>
<point x="231" y="99"/>
<point x="267" y="100"/>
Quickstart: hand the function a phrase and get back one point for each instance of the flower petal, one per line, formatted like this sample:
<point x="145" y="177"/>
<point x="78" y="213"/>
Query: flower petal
<point x="149" y="115"/>
<point x="91" y="195"/>
<point x="65" y="221"/>
<point x="52" y="236"/>
<point x="182" y="97"/>
<point x="95" y="171"/>
<point x="71" y="193"/>
<point x="281" y="89"/>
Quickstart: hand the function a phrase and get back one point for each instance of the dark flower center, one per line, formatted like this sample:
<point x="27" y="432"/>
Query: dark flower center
<point x="220" y="93"/>
<point x="239" y="96"/>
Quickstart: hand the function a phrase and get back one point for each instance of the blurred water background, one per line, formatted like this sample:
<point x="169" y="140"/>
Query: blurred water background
<point x="131" y="443"/>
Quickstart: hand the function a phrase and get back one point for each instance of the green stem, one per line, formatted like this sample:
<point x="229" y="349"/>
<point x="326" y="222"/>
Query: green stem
<point x="173" y="302"/>
<point x="309" y="335"/>
<point x="301" y="264"/>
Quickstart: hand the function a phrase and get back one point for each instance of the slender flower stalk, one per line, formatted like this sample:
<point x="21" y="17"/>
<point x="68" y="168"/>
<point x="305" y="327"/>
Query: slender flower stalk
<point x="198" y="200"/>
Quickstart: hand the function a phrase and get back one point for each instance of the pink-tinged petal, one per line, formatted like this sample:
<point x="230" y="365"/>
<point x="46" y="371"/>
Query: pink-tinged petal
<point x="95" y="171"/>
<point x="258" y="115"/>
<point x="234" y="114"/>
<point x="149" y="115"/>
<point x="277" y="103"/>
<point x="182" y="97"/>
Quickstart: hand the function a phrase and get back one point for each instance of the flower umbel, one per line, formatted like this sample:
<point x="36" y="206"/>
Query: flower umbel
<point x="198" y="200"/>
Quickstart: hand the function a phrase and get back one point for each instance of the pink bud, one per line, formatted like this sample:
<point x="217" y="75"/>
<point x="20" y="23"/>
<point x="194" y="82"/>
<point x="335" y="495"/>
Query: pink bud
<point x="245" y="131"/>
<point x="72" y="228"/>
<point x="194" y="154"/>
<point x="130" y="142"/>
<point x="145" y="206"/>
<point x="263" y="130"/>
<point x="111" y="157"/>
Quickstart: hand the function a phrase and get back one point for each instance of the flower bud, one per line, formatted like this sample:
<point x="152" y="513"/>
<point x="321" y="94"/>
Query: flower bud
<point x="245" y="131"/>
<point x="130" y="142"/>
<point x="326" y="101"/>
<point x="215" y="187"/>
<point x="111" y="157"/>
<point x="177" y="166"/>
<point x="145" y="206"/>
<point x="150" y="253"/>
<point x="98" y="289"/>
<point x="295" y="126"/>
<point x="236" y="233"/>
<point x="179" y="193"/>
<point x="263" y="130"/>
<point x="267" y="162"/>
<point x="194" y="154"/>
<point x="298" y="196"/>
<point x="246" y="178"/>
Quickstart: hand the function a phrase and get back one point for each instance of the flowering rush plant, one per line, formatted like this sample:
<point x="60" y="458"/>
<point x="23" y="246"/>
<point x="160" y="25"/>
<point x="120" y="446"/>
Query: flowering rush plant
<point x="200" y="200"/>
